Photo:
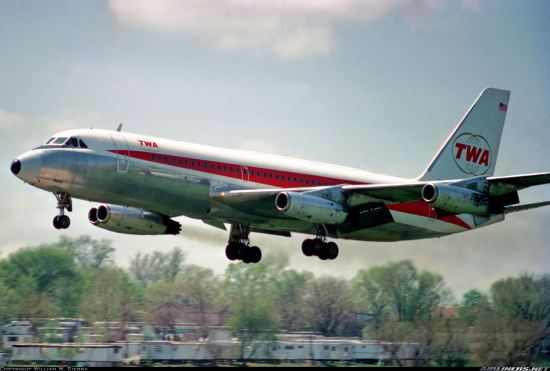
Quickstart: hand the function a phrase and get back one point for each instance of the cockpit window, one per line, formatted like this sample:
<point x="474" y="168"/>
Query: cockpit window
<point x="82" y="144"/>
<point x="60" y="140"/>
<point x="49" y="140"/>
<point x="72" y="142"/>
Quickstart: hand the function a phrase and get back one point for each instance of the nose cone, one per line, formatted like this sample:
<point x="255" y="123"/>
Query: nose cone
<point x="27" y="166"/>
<point x="15" y="167"/>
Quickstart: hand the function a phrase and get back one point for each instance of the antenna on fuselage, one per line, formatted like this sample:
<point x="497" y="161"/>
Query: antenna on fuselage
<point x="119" y="127"/>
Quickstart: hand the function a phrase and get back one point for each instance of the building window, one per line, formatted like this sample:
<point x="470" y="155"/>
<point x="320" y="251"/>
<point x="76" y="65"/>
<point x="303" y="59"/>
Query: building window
<point x="325" y="347"/>
<point x="115" y="350"/>
<point x="158" y="348"/>
<point x="289" y="346"/>
<point x="12" y="338"/>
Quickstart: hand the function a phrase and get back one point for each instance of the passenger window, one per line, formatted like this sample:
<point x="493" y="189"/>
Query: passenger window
<point x="82" y="144"/>
<point x="153" y="157"/>
<point x="219" y="168"/>
<point x="231" y="169"/>
<point x="238" y="170"/>
<point x="159" y="158"/>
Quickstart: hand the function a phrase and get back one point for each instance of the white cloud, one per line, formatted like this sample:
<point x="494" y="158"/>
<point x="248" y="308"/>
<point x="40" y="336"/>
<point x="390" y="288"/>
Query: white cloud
<point x="285" y="28"/>
<point x="10" y="120"/>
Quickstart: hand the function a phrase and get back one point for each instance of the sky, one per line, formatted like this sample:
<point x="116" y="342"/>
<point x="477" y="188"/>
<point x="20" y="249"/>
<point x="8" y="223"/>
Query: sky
<point x="372" y="84"/>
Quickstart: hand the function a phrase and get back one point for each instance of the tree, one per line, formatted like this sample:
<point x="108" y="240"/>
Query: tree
<point x="290" y="290"/>
<point x="398" y="291"/>
<point x="88" y="252"/>
<point x="249" y="294"/>
<point x="472" y="302"/>
<point x="512" y="329"/>
<point x="45" y="279"/>
<point x="157" y="266"/>
<point x="329" y="303"/>
<point x="109" y="296"/>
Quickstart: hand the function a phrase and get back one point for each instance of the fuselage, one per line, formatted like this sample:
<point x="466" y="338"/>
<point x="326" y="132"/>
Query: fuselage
<point x="176" y="178"/>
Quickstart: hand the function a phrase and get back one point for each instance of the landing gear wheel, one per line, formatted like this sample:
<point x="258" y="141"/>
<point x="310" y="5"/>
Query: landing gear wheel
<point x="64" y="221"/>
<point x="232" y="251"/>
<point x="56" y="222"/>
<point x="255" y="254"/>
<point x="322" y="251"/>
<point x="332" y="250"/>
<point x="308" y="247"/>
<point x="246" y="253"/>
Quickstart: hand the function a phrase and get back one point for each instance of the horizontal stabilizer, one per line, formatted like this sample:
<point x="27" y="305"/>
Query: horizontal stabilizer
<point x="513" y="209"/>
<point x="522" y="181"/>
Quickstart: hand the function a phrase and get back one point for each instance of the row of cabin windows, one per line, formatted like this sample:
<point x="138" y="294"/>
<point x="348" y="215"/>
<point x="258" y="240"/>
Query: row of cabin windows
<point x="179" y="161"/>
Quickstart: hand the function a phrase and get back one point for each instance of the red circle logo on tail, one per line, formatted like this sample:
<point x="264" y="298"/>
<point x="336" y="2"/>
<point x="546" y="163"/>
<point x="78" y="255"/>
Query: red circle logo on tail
<point x="472" y="154"/>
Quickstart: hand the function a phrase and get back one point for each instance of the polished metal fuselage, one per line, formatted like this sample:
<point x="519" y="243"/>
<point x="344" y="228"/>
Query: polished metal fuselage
<point x="105" y="172"/>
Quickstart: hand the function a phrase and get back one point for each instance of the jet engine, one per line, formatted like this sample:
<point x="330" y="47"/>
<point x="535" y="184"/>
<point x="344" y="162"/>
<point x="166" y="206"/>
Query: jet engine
<point x="310" y="208"/>
<point x="131" y="220"/>
<point x="456" y="199"/>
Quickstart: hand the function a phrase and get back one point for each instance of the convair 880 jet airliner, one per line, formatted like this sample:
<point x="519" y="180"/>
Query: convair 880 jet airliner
<point x="142" y="182"/>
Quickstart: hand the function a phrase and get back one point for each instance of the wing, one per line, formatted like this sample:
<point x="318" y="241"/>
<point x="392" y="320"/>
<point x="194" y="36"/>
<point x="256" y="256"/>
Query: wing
<point x="261" y="203"/>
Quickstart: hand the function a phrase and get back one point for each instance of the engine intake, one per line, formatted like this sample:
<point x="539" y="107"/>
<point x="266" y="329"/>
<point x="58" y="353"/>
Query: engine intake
<point x="130" y="220"/>
<point x="310" y="208"/>
<point x="456" y="199"/>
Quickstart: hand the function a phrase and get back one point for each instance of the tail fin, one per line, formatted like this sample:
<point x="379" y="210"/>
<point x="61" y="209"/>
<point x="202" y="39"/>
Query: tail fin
<point x="472" y="148"/>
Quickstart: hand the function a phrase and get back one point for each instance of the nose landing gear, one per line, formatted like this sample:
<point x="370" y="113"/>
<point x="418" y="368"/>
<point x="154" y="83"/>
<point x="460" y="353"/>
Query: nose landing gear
<point x="64" y="201"/>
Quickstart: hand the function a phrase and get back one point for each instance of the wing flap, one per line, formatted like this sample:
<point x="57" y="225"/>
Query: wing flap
<point x="387" y="193"/>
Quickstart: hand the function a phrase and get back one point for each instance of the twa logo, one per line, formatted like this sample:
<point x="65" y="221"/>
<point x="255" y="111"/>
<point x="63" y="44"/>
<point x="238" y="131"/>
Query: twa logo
<point x="148" y="144"/>
<point x="472" y="154"/>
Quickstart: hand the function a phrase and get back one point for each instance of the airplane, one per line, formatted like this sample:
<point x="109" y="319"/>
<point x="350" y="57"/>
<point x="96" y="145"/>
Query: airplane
<point x="143" y="182"/>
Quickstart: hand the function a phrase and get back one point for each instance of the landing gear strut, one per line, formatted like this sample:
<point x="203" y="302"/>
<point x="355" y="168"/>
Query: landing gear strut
<point x="64" y="201"/>
<point x="238" y="247"/>
<point x="319" y="247"/>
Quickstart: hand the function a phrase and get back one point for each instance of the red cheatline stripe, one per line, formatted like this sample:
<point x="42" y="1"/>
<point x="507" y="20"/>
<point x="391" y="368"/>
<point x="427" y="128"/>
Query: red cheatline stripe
<point x="271" y="177"/>
<point x="424" y="209"/>
<point x="275" y="178"/>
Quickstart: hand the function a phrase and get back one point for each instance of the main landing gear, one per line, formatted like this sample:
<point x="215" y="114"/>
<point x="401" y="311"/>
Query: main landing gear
<point x="319" y="247"/>
<point x="238" y="247"/>
<point x="64" y="201"/>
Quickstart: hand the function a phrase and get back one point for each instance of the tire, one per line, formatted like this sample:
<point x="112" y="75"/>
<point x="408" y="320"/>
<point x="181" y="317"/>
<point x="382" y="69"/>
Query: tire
<point x="64" y="221"/>
<point x="255" y="254"/>
<point x="232" y="251"/>
<point x="308" y="247"/>
<point x="56" y="222"/>
<point x="245" y="253"/>
<point x="322" y="250"/>
<point x="332" y="250"/>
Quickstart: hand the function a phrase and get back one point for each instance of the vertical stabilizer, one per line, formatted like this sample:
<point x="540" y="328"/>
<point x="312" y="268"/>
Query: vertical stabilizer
<point x="472" y="148"/>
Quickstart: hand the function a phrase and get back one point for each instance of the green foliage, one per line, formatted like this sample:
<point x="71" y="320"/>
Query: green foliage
<point x="109" y="295"/>
<point x="329" y="303"/>
<point x="88" y="252"/>
<point x="44" y="281"/>
<point x="398" y="291"/>
<point x="249" y="293"/>
<point x="157" y="266"/>
<point x="473" y="302"/>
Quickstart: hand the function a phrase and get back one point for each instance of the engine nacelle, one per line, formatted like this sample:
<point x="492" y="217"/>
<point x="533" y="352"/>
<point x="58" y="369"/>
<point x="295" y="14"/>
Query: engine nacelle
<point x="310" y="208"/>
<point x="456" y="199"/>
<point x="131" y="220"/>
